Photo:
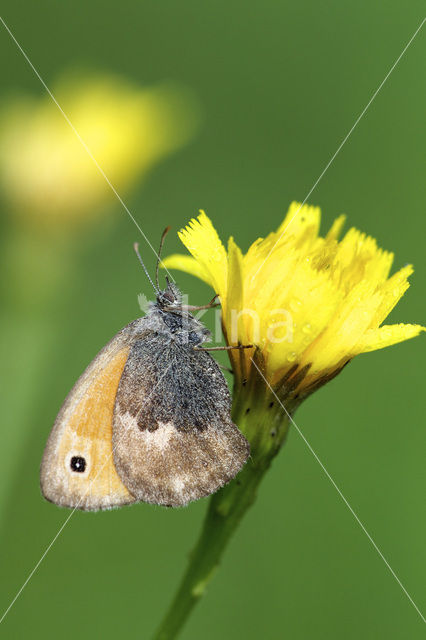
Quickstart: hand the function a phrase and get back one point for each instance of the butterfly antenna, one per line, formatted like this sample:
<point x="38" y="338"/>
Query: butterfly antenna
<point x="136" y="248"/>
<point x="163" y="236"/>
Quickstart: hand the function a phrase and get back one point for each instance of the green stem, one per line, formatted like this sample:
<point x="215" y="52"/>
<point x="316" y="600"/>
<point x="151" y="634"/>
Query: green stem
<point x="265" y="426"/>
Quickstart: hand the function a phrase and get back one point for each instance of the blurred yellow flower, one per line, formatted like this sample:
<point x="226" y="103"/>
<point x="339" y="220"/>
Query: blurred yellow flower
<point x="308" y="303"/>
<point x="46" y="173"/>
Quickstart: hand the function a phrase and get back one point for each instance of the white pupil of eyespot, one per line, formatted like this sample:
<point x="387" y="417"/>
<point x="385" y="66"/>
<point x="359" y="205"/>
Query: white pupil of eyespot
<point x="78" y="464"/>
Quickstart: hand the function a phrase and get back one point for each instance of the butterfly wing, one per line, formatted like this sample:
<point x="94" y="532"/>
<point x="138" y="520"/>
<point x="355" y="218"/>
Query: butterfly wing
<point x="77" y="469"/>
<point x="173" y="438"/>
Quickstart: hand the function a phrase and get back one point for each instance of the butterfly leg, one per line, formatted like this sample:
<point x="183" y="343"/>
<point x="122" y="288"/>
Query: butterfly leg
<point x="210" y="305"/>
<point x="237" y="346"/>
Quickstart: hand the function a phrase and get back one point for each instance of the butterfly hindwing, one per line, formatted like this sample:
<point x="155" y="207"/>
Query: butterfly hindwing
<point x="173" y="438"/>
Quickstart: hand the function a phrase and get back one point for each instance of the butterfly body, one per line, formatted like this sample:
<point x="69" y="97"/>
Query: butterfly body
<point x="149" y="420"/>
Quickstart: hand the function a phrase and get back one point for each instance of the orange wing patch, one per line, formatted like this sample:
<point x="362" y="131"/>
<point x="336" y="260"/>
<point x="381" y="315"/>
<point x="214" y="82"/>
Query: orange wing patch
<point x="83" y="440"/>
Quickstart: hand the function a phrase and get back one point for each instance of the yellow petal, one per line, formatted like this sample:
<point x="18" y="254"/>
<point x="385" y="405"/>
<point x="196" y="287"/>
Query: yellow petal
<point x="336" y="228"/>
<point x="301" y="221"/>
<point x="387" y="335"/>
<point x="344" y="330"/>
<point x="392" y="291"/>
<point x="233" y="304"/>
<point x="188" y="265"/>
<point x="202" y="240"/>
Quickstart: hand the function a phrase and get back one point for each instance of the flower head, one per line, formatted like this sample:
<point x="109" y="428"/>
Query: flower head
<point x="308" y="304"/>
<point x="46" y="172"/>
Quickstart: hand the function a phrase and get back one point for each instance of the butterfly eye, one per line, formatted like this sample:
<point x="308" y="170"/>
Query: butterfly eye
<point x="78" y="464"/>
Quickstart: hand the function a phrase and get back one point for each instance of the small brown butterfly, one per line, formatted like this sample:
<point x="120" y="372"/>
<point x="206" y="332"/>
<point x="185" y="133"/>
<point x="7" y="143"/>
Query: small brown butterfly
<point x="149" y="419"/>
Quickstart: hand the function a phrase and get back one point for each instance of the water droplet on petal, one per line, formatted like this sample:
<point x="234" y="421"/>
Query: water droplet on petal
<point x="307" y="328"/>
<point x="292" y="356"/>
<point x="295" y="304"/>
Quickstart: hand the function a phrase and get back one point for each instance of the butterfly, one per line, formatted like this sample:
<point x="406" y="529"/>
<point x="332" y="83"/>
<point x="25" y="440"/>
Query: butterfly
<point x="149" y="420"/>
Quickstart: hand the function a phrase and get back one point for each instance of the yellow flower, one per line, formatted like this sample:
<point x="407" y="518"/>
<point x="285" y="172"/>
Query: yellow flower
<point x="308" y="303"/>
<point x="48" y="176"/>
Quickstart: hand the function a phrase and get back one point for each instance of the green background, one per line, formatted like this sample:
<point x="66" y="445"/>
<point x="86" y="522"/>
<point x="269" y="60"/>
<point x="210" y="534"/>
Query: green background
<point x="280" y="84"/>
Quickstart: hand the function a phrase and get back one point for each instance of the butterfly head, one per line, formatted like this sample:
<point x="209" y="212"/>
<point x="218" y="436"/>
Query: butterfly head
<point x="170" y="298"/>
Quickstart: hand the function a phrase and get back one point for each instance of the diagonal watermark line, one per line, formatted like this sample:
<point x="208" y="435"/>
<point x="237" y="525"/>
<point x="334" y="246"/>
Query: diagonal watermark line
<point x="38" y="564"/>
<point x="345" y="139"/>
<point x="72" y="512"/>
<point x="341" y="494"/>
<point x="83" y="143"/>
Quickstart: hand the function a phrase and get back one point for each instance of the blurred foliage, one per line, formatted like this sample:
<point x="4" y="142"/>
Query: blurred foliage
<point x="279" y="84"/>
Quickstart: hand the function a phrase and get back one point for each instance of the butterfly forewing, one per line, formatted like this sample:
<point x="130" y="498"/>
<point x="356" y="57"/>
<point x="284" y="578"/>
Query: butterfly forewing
<point x="77" y="469"/>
